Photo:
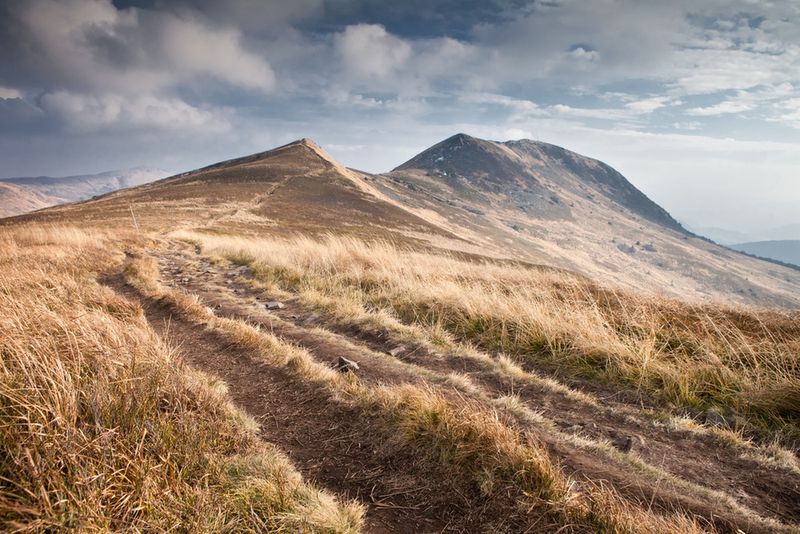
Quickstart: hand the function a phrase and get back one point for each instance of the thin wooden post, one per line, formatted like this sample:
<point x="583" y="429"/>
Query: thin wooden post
<point x="135" y="223"/>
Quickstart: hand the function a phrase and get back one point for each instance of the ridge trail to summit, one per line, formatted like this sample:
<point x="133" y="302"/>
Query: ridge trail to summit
<point x="678" y="455"/>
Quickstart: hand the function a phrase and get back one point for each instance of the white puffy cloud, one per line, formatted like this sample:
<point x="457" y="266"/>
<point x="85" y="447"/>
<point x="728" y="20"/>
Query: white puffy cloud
<point x="369" y="51"/>
<point x="584" y="54"/>
<point x="91" y="45"/>
<point x="83" y="112"/>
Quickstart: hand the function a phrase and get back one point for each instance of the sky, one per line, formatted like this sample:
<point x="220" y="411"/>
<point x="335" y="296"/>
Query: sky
<point x="696" y="102"/>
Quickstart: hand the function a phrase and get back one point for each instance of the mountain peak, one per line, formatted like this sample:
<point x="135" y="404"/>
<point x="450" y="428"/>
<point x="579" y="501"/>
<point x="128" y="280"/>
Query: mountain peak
<point x="305" y="142"/>
<point x="307" y="147"/>
<point x="459" y="154"/>
<point x="460" y="138"/>
<point x="526" y="170"/>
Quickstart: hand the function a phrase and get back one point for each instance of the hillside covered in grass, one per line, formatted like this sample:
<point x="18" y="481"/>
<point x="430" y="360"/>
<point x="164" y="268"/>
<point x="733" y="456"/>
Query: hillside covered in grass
<point x="278" y="343"/>
<point x="146" y="385"/>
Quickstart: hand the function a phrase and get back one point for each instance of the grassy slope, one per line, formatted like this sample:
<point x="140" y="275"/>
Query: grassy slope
<point x="102" y="429"/>
<point x="679" y="355"/>
<point x="475" y="447"/>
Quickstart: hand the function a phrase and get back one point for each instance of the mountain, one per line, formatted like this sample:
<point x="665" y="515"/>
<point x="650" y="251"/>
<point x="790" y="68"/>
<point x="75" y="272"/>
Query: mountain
<point x="786" y="251"/>
<point x="279" y="342"/>
<point x="788" y="232"/>
<point x="16" y="199"/>
<point x="21" y="195"/>
<point x="544" y="204"/>
<point x="521" y="200"/>
<point x="722" y="236"/>
<point x="293" y="188"/>
<point x="530" y="175"/>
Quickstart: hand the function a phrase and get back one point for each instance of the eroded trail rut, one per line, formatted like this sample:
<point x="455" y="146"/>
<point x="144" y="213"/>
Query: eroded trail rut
<point x="329" y="442"/>
<point x="334" y="445"/>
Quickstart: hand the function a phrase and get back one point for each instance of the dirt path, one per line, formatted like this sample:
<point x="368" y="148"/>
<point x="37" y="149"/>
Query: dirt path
<point x="330" y="443"/>
<point x="690" y="456"/>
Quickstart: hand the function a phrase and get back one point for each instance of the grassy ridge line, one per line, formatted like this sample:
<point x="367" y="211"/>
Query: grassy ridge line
<point x="101" y="429"/>
<point x="471" y="444"/>
<point x="689" y="357"/>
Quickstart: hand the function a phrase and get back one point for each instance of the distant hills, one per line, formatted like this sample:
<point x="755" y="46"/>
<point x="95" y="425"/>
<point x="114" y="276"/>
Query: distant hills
<point x="21" y="195"/>
<point x="723" y="236"/>
<point x="786" y="251"/>
<point x="16" y="199"/>
<point x="524" y="201"/>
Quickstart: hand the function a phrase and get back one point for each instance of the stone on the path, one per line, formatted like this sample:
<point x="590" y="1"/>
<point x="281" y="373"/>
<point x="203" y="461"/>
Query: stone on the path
<point x="184" y="280"/>
<point x="627" y="443"/>
<point x="313" y="318"/>
<point x="274" y="305"/>
<point x="343" y="365"/>
<point x="400" y="349"/>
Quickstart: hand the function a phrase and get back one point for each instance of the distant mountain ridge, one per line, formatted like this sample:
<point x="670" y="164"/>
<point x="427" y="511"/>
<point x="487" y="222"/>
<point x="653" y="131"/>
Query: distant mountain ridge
<point x="786" y="251"/>
<point x="24" y="194"/>
<point x="16" y="199"/>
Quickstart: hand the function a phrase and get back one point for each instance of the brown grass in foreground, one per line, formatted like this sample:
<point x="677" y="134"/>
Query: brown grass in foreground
<point x="101" y="429"/>
<point x="685" y="356"/>
<point x="477" y="449"/>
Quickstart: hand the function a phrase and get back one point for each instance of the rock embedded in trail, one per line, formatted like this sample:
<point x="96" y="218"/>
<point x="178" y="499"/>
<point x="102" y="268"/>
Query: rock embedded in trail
<point x="627" y="443"/>
<point x="274" y="305"/>
<point x="343" y="365"/>
<point x="311" y="319"/>
<point x="400" y="349"/>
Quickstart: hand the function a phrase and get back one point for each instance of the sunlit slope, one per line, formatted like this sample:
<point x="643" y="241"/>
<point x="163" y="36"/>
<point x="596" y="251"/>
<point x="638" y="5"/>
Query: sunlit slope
<point x="539" y="202"/>
<point x="520" y="200"/>
<point x="293" y="188"/>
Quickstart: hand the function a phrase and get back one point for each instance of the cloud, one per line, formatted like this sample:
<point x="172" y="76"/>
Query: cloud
<point x="728" y="106"/>
<point x="584" y="53"/>
<point x="651" y="104"/>
<point x="788" y="112"/>
<point x="744" y="101"/>
<point x="8" y="93"/>
<point x="517" y="105"/>
<point x="91" y="45"/>
<point x="368" y="50"/>
<point x="252" y="16"/>
<point x="92" y="113"/>
<point x="612" y="114"/>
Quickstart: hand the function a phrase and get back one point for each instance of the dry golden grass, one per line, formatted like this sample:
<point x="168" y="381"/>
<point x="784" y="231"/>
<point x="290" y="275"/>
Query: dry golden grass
<point x="102" y="429"/>
<point x="477" y="448"/>
<point x="683" y="355"/>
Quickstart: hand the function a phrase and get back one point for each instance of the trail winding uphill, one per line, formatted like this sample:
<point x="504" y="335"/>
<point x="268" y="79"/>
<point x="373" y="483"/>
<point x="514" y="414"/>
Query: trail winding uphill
<point x="594" y="435"/>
